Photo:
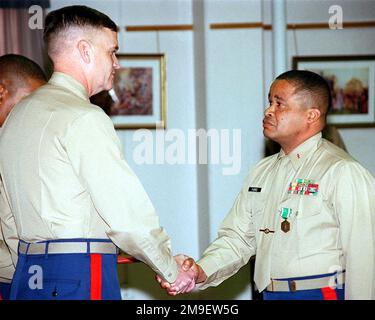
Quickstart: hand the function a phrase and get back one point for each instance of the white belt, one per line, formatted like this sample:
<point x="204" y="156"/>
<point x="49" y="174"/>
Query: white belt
<point x="332" y="281"/>
<point x="67" y="247"/>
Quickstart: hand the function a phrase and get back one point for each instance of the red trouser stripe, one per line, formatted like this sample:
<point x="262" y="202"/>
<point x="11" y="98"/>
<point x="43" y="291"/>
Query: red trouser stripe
<point x="96" y="276"/>
<point x="329" y="293"/>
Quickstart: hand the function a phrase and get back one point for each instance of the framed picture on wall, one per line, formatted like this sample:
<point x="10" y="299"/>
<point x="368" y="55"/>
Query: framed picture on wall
<point x="138" y="97"/>
<point x="352" y="83"/>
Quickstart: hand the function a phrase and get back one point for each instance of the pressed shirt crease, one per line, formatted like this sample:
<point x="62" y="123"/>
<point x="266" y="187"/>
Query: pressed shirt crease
<point x="331" y="226"/>
<point x="72" y="179"/>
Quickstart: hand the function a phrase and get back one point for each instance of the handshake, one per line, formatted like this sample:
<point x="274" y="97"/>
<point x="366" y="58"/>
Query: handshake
<point x="189" y="275"/>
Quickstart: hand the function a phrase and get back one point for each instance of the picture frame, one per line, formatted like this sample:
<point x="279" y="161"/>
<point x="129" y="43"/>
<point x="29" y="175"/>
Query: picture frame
<point x="352" y="83"/>
<point x="139" y="92"/>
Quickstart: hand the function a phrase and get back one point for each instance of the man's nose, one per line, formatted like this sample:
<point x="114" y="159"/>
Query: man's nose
<point x="116" y="65"/>
<point x="269" y="111"/>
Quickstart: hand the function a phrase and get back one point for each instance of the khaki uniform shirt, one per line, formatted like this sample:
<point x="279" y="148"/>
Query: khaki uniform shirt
<point x="332" y="223"/>
<point x="65" y="176"/>
<point x="6" y="264"/>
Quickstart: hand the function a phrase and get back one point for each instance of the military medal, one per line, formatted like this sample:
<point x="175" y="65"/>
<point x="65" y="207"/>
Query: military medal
<point x="285" y="214"/>
<point x="285" y="226"/>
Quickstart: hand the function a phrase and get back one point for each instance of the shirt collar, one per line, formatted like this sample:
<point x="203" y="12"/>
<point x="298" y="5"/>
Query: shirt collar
<point x="300" y="153"/>
<point x="66" y="81"/>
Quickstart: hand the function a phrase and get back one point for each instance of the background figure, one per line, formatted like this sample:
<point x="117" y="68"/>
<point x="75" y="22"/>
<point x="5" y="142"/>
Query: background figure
<point x="19" y="76"/>
<point x="305" y="212"/>
<point x="69" y="193"/>
<point x="332" y="134"/>
<point x="103" y="100"/>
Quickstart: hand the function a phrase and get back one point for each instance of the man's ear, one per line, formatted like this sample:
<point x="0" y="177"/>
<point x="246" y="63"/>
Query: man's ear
<point x="3" y="93"/>
<point x="313" y="115"/>
<point x="85" y="50"/>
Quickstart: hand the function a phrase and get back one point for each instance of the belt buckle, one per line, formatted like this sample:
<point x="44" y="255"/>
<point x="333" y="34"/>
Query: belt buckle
<point x="292" y="286"/>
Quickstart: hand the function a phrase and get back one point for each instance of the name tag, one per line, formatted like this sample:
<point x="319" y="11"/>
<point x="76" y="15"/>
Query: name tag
<point x="255" y="189"/>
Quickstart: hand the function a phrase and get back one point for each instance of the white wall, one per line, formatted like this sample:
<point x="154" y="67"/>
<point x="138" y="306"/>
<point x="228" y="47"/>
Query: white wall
<point x="219" y="79"/>
<point x="234" y="95"/>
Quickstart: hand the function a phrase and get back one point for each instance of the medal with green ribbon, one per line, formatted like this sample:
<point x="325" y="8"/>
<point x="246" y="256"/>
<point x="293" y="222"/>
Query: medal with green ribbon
<point x="285" y="214"/>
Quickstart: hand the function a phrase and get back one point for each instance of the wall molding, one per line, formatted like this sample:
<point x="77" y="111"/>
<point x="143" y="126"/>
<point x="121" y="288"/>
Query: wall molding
<point x="145" y="28"/>
<point x="290" y="26"/>
<point x="238" y="25"/>
<point x="246" y="25"/>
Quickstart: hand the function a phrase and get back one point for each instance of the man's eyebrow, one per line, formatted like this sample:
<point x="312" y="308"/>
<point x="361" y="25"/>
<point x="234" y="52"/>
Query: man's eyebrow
<point x="279" y="98"/>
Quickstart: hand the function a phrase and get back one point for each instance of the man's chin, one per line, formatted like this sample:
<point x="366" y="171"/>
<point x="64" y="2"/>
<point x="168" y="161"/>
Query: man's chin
<point x="106" y="88"/>
<point x="267" y="134"/>
<point x="109" y="86"/>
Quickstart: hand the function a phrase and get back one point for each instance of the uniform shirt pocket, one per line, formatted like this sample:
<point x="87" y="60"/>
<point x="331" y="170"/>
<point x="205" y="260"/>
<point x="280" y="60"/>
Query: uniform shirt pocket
<point x="309" y="206"/>
<point x="309" y="224"/>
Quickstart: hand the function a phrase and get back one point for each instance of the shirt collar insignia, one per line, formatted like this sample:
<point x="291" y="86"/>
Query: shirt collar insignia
<point x="299" y="154"/>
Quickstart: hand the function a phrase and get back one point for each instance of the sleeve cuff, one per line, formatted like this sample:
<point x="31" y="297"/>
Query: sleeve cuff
<point x="171" y="275"/>
<point x="210" y="268"/>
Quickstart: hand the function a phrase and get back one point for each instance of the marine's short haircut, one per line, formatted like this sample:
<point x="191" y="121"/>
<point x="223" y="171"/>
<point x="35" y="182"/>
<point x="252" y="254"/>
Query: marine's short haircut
<point x="60" y="20"/>
<point x="311" y="86"/>
<point x="18" y="70"/>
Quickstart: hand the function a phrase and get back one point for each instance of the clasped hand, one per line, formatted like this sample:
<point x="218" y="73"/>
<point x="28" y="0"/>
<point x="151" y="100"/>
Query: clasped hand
<point x="186" y="279"/>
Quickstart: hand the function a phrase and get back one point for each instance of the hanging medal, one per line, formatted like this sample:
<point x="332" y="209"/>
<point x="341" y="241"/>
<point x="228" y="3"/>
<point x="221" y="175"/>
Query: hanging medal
<point x="285" y="214"/>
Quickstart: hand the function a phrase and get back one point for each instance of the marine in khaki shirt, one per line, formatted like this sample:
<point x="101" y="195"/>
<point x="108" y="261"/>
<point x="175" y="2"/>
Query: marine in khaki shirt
<point x="66" y="176"/>
<point x="19" y="76"/>
<point x="7" y="266"/>
<point x="307" y="213"/>
<point x="331" y="222"/>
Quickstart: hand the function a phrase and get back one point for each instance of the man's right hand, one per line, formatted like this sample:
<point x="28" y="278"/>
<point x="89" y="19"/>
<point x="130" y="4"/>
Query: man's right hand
<point x="190" y="273"/>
